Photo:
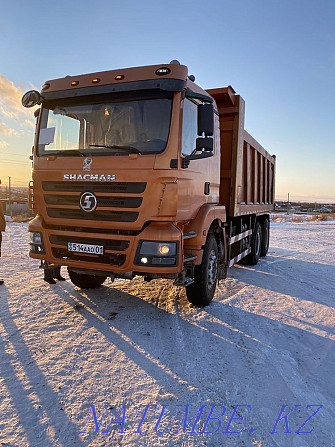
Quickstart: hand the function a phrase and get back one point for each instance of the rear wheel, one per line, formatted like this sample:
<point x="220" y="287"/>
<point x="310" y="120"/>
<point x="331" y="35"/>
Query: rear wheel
<point x="256" y="244"/>
<point x="201" y="292"/>
<point x="265" y="237"/>
<point x="85" y="281"/>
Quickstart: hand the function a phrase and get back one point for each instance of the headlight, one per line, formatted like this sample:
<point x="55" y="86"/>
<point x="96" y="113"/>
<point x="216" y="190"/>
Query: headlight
<point x="151" y="253"/>
<point x="158" y="248"/>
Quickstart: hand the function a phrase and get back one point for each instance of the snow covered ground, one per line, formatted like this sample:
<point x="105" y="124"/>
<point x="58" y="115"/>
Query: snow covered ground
<point x="266" y="341"/>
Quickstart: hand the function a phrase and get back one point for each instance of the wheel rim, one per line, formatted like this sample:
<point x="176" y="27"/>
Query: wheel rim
<point x="212" y="269"/>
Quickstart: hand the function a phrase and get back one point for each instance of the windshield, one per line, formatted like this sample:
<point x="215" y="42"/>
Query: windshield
<point x="109" y="128"/>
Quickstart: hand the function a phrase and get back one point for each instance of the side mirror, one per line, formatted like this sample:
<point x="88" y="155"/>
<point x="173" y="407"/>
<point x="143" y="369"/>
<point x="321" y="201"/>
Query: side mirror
<point x="206" y="119"/>
<point x="204" y="143"/>
<point x="31" y="98"/>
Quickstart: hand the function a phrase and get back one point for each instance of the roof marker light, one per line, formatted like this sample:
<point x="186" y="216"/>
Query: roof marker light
<point x="45" y="86"/>
<point x="162" y="71"/>
<point x="119" y="77"/>
<point x="74" y="83"/>
<point x="95" y="80"/>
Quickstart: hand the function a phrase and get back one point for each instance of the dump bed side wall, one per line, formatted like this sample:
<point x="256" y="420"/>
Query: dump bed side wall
<point x="255" y="188"/>
<point x="247" y="170"/>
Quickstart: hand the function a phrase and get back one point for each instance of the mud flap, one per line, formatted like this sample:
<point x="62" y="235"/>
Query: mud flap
<point x="222" y="268"/>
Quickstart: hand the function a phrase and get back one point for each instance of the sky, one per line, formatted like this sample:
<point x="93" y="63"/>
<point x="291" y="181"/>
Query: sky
<point x="278" y="55"/>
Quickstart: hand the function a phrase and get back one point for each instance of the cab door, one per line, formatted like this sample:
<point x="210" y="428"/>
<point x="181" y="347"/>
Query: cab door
<point x="199" y="182"/>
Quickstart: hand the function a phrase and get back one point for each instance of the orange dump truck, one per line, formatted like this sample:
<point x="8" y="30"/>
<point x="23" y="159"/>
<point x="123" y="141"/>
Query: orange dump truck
<point x="140" y="171"/>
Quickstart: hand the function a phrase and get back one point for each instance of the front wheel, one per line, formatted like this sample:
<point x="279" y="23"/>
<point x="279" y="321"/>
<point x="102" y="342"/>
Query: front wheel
<point x="85" y="281"/>
<point x="201" y="292"/>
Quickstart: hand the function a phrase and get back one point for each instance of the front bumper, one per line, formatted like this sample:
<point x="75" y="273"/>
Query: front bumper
<point x="120" y="247"/>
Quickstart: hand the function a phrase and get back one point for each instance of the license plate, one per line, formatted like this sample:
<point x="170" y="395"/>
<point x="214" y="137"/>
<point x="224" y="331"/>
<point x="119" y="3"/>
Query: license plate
<point x="85" y="248"/>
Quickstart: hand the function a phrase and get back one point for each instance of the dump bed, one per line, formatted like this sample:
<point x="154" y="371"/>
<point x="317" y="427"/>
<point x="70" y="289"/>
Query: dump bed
<point x="247" y="170"/>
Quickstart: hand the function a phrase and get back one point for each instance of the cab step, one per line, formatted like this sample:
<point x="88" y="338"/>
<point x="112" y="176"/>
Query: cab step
<point x="183" y="281"/>
<point x="189" y="235"/>
<point x="189" y="258"/>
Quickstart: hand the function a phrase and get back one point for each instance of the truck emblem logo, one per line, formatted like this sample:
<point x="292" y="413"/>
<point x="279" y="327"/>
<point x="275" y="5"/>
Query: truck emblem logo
<point x="90" y="177"/>
<point x="88" y="202"/>
<point x="87" y="164"/>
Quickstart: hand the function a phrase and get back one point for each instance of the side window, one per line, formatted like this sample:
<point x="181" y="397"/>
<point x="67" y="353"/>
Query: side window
<point x="190" y="116"/>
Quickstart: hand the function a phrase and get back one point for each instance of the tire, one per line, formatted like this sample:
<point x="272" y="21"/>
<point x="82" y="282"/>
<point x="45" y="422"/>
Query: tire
<point x="265" y="237"/>
<point x="256" y="244"/>
<point x="86" y="281"/>
<point x="202" y="290"/>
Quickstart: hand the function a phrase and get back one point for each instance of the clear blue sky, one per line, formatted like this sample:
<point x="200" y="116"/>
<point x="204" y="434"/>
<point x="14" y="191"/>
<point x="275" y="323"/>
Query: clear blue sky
<point x="279" y="55"/>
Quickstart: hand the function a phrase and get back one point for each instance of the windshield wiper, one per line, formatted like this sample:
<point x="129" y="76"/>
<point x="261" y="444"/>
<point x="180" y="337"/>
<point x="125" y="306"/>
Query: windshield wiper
<point x="114" y="146"/>
<point x="69" y="152"/>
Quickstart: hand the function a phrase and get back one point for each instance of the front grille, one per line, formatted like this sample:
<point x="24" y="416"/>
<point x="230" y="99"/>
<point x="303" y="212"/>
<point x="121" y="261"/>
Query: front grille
<point x="109" y="258"/>
<point x="116" y="245"/>
<point x="92" y="230"/>
<point x="103" y="201"/>
<point x="109" y="206"/>
<point x="115" y="187"/>
<point x="122" y="216"/>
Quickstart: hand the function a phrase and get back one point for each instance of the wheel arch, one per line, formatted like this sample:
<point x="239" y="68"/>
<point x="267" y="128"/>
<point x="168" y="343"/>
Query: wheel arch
<point x="208" y="219"/>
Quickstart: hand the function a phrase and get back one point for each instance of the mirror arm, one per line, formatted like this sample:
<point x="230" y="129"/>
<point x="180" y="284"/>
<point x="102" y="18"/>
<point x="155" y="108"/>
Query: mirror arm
<point x="191" y="94"/>
<point x="41" y="100"/>
<point x="186" y="160"/>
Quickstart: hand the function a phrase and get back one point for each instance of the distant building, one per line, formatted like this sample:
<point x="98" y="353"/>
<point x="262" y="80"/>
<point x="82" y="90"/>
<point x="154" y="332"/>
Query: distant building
<point x="325" y="209"/>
